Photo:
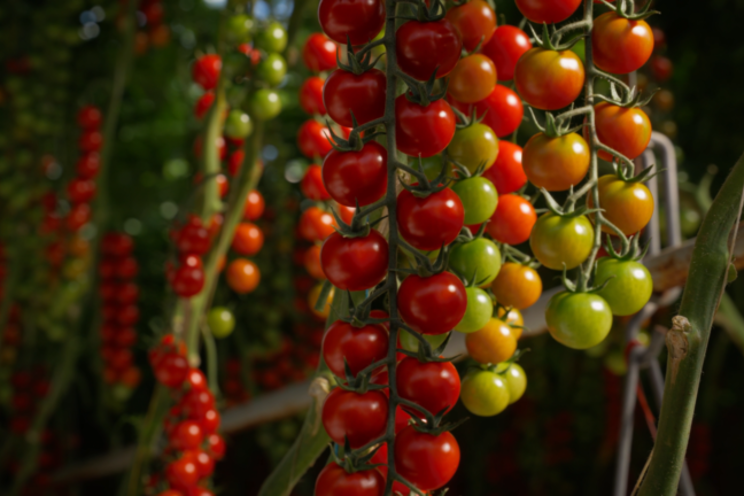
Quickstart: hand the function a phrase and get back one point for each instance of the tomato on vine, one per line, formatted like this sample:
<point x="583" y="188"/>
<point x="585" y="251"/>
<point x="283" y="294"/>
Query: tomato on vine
<point x="556" y="163"/>
<point x="507" y="44"/>
<point x="493" y="343"/>
<point x="474" y="146"/>
<point x="578" y="320"/>
<point x="359" y="347"/>
<point x="353" y="21"/>
<point x="629" y="205"/>
<point x="361" y="95"/>
<point x="479" y="199"/>
<point x="626" y="130"/>
<point x="425" y="47"/>
<point x="316" y="224"/>
<point x="319" y="53"/>
<point x="507" y="173"/>
<point x="477" y="313"/>
<point x="517" y="286"/>
<point x="484" y="393"/>
<point x="426" y="460"/>
<point x="501" y="110"/>
<point x="562" y="241"/>
<point x="548" y="79"/>
<point x="360" y="418"/>
<point x="312" y="184"/>
<point x="311" y="96"/>
<point x="423" y="131"/>
<point x="313" y="139"/>
<point x="335" y="481"/>
<point x="547" y="11"/>
<point x="478" y="260"/>
<point x="629" y="285"/>
<point x="206" y="71"/>
<point x="512" y="221"/>
<point x="356" y="176"/>
<point x="242" y="275"/>
<point x="472" y="79"/>
<point x="435" y="386"/>
<point x="621" y="45"/>
<point x="515" y="379"/>
<point x="427" y="223"/>
<point x="355" y="263"/>
<point x="434" y="304"/>
<point x="474" y="21"/>
<point x="247" y="240"/>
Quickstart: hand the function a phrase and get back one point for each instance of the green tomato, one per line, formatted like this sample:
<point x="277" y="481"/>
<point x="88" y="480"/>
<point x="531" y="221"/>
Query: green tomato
<point x="515" y="378"/>
<point x="409" y="342"/>
<point x="557" y="240"/>
<point x="272" y="69"/>
<point x="272" y="39"/>
<point x="221" y="321"/>
<point x="265" y="104"/>
<point x="474" y="146"/>
<point x="479" y="199"/>
<point x="629" y="285"/>
<point x="478" y="312"/>
<point x="578" y="320"/>
<point x="484" y="393"/>
<point x="238" y="125"/>
<point x="238" y="29"/>
<point x="432" y="166"/>
<point x="478" y="260"/>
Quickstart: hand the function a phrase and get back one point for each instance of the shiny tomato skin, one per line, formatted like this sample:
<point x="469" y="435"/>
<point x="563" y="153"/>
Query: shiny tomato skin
<point x="247" y="240"/>
<point x="478" y="260"/>
<point x="474" y="21"/>
<point x="626" y="130"/>
<point x="254" y="205"/>
<point x="479" y="199"/>
<point x="333" y="480"/>
<point x="556" y="240"/>
<point x="312" y="139"/>
<point x="319" y="53"/>
<point x="507" y="44"/>
<point x="356" y="176"/>
<point x="359" y="346"/>
<point x="549" y="11"/>
<point x="628" y="205"/>
<point x="206" y="71"/>
<point x="494" y="343"/>
<point x="557" y="163"/>
<point x="427" y="223"/>
<point x="549" y="80"/>
<point x="629" y="285"/>
<point x="435" y="386"/>
<point x="311" y="96"/>
<point x="513" y="220"/>
<point x="474" y="146"/>
<point x="484" y="393"/>
<point x="517" y="286"/>
<point x="434" y="304"/>
<point x="363" y="95"/>
<point x="425" y="47"/>
<point x="472" y="79"/>
<point x="502" y="110"/>
<point x="358" y="417"/>
<point x="242" y="276"/>
<point x="578" y="320"/>
<point x="423" y="131"/>
<point x="312" y="184"/>
<point x="426" y="461"/>
<point x="621" y="46"/>
<point x="355" y="264"/>
<point x="316" y="224"/>
<point x="507" y="173"/>
<point x="357" y="21"/>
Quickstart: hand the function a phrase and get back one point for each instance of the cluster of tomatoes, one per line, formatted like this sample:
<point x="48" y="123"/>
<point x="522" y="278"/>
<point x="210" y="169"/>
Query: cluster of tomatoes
<point x="119" y="292"/>
<point x="29" y="389"/>
<point x="153" y="32"/>
<point x="191" y="424"/>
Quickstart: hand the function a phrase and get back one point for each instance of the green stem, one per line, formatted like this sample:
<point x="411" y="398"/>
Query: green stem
<point x="211" y="163"/>
<point x="149" y="428"/>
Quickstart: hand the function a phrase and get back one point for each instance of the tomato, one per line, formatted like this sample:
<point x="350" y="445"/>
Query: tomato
<point x="88" y="165"/>
<point x="272" y="39"/>
<point x="316" y="224"/>
<point x="182" y="473"/>
<point x="484" y="393"/>
<point x="472" y="79"/>
<point x="89" y="117"/>
<point x="312" y="263"/>
<point x="408" y="341"/>
<point x="478" y="260"/>
<point x="188" y="281"/>
<point x="478" y="312"/>
<point x="662" y="68"/>
<point x="547" y="79"/>
<point x="513" y="220"/>
<point x="549" y="11"/>
<point x="423" y="131"/>
<point x="312" y="184"/>
<point x="80" y="190"/>
<point x="254" y="205"/>
<point x="515" y="378"/>
<point x="248" y="239"/>
<point x="221" y="322"/>
<point x="435" y="386"/>
<point x="358" y="346"/>
<point x="557" y="163"/>
<point x="380" y="456"/>
<point x="427" y="223"/>
<point x="346" y="213"/>
<point x="557" y="240"/>
<point x="360" y="418"/>
<point x="355" y="264"/>
<point x="354" y="21"/>
<point x="517" y="286"/>
<point x="313" y="139"/>
<point x="311" y="96"/>
<point x="578" y="320"/>
<point x="90" y="141"/>
<point x="434" y="304"/>
<point x="479" y="199"/>
<point x="620" y="45"/>
<point x="507" y="44"/>
<point x="507" y="174"/>
<point x="494" y="343"/>
<point x="501" y="110"/>
<point x="203" y="104"/>
<point x="206" y="71"/>
<point x="363" y="95"/>
<point x="628" y="205"/>
<point x="425" y="460"/>
<point x="242" y="276"/>
<point x="626" y="130"/>
<point x="216" y="446"/>
<point x="474" y="146"/>
<point x="335" y="481"/>
<point x="474" y="21"/>
<point x="356" y="176"/>
<point x="629" y="285"/>
<point x="272" y="69"/>
<point x="319" y="53"/>
<point x="312" y="299"/>
<point x="186" y="435"/>
<point x="265" y="104"/>
<point x="238" y="28"/>
<point x="425" y="47"/>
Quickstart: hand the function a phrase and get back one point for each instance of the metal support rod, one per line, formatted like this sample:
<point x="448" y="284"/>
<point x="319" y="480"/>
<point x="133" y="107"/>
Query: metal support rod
<point x="625" y="442"/>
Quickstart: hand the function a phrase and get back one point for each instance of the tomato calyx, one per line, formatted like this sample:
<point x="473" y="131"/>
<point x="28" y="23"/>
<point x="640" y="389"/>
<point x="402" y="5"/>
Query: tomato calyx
<point x="423" y="92"/>
<point x="551" y="41"/>
<point x="630" y="250"/>
<point x="555" y="127"/>
<point x="622" y="9"/>
<point x="426" y="353"/>
<point x="513" y="255"/>
<point x="357" y="136"/>
<point x="424" y="266"/>
<point x="423" y="187"/>
<point x="433" y="12"/>
<point x="430" y="424"/>
<point x="502" y="368"/>
<point x="361" y="383"/>
<point x="356" y="460"/>
<point x="631" y="98"/>
<point x="569" y="210"/>
<point x="360" y="61"/>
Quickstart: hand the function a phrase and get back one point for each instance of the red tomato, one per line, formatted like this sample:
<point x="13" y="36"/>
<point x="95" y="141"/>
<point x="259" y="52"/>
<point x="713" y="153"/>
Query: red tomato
<point x="346" y="213"/>
<point x="434" y="304"/>
<point x="662" y="68"/>
<point x="90" y="141"/>
<point x="216" y="446"/>
<point x="312" y="184"/>
<point x="312" y="139"/>
<point x="335" y="481"/>
<point x="247" y="240"/>
<point x="423" y="131"/>
<point x="380" y="456"/>
<point x="182" y="473"/>
<point x="319" y="53"/>
<point x="620" y="45"/>
<point x="547" y="79"/>
<point x="502" y="110"/>
<point x="549" y="11"/>
<point x="507" y="174"/>
<point x="507" y="44"/>
<point x="427" y="223"/>
<point x="254" y="205"/>
<point x="359" y="346"/>
<point x="433" y="385"/>
<point x="206" y="71"/>
<point x="513" y="220"/>
<point x="556" y="163"/>
<point x="316" y="225"/>
<point x="242" y="276"/>
<point x="357" y="21"/>
<point x="352" y="177"/>
<point x="363" y="95"/>
<point x="357" y="263"/>
<point x="626" y="130"/>
<point x="425" y="47"/>
<point x="203" y="104"/>
<point x="205" y="467"/>
<point x="80" y="190"/>
<point x="426" y="461"/>
<point x="472" y="79"/>
<point x="235" y="162"/>
<point x="311" y="96"/>
<point x="89" y="117"/>
<point x="171" y="369"/>
<point x="474" y="21"/>
<point x="88" y="165"/>
<point x="360" y="418"/>
<point x="188" y="281"/>
<point x="186" y="435"/>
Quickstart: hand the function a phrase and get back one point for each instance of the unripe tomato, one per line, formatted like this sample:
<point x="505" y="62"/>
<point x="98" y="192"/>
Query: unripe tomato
<point x="423" y="131"/>
<point x="363" y="96"/>
<point x="507" y="44"/>
<point x="206" y="71"/>
<point x="475" y="22"/>
<point x="247" y="240"/>
<point x="620" y="45"/>
<point x="578" y="320"/>
<point x="355" y="264"/>
<point x="557" y="240"/>
<point x="238" y="125"/>
<point x="311" y="96"/>
<point x="478" y="260"/>
<point x="355" y="21"/>
<point x="408" y="341"/>
<point x="273" y="39"/>
<point x="359" y="347"/>
<point x="515" y="378"/>
<point x="479" y="199"/>
<point x="517" y="286"/>
<point x="425" y="460"/>
<point x="472" y="79"/>
<point x="512" y="221"/>
<point x="547" y="11"/>
<point x="629" y="285"/>
<point x="242" y="276"/>
<point x="547" y="79"/>
<point x="427" y="223"/>
<point x="435" y="386"/>
<point x="507" y="174"/>
<point x="557" y="163"/>
<point x="319" y="53"/>
<point x="478" y="312"/>
<point x="628" y="205"/>
<point x="626" y="130"/>
<point x="474" y="146"/>
<point x="272" y="69"/>
<point x="356" y="176"/>
<point x="358" y="418"/>
<point x="265" y="104"/>
<point x="335" y="481"/>
<point x="484" y="393"/>
<point x="425" y="47"/>
<point x="434" y="304"/>
<point x="238" y="28"/>
<point x="312" y="184"/>
<point x="493" y="343"/>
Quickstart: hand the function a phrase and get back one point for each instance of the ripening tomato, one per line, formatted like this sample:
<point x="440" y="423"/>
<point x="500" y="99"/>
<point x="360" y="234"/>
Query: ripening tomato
<point x="272" y="69"/>
<point x="626" y="130"/>
<point x="242" y="276"/>
<point x="628" y="205"/>
<point x="434" y="304"/>
<point x="423" y="131"/>
<point x="621" y="45"/>
<point x="360" y="418"/>
<point x="356" y="176"/>
<point x="517" y="286"/>
<point x="484" y="393"/>
<point x="311" y="96"/>
<point x="472" y="79"/>
<point x="556" y="163"/>
<point x="547" y="79"/>
<point x="474" y="21"/>
<point x="346" y="213"/>
<point x="247" y="240"/>
<point x="506" y="174"/>
<point x="359" y="347"/>
<point x="435" y="386"/>
<point x="425" y="460"/>
<point x="479" y="199"/>
<point x="507" y="44"/>
<point x="206" y="71"/>
<point x="493" y="343"/>
<point x="562" y="241"/>
<point x="477" y="313"/>
<point x="312" y="184"/>
<point x="501" y="110"/>
<point x="578" y="320"/>
<point x="313" y="139"/>
<point x="408" y="341"/>
<point x="182" y="473"/>
<point x="361" y="95"/>
<point x="513" y="220"/>
<point x="265" y="104"/>
<point x="354" y="21"/>
<point x="429" y="222"/>
<point x="272" y="38"/>
<point x="316" y="224"/>
<point x="548" y="11"/>
<point x="357" y="263"/>
<point x="477" y="261"/>
<point x="515" y="379"/>
<point x="629" y="285"/>
<point x="425" y="47"/>
<point x="188" y="281"/>
<point x="319" y="53"/>
<point x="333" y="480"/>
<point x="474" y="146"/>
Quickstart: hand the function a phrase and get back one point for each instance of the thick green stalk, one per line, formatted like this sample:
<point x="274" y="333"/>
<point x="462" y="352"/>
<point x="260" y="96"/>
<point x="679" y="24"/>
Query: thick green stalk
<point x="211" y="164"/>
<point x="688" y="339"/>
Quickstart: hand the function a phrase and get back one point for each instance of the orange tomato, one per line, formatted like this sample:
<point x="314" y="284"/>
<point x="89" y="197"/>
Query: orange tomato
<point x="242" y="275"/>
<point x="472" y="79"/>
<point x="492" y="344"/>
<point x="517" y="286"/>
<point x="548" y="79"/>
<point x="557" y="163"/>
<point x="626" y="130"/>
<point x="248" y="239"/>
<point x="628" y="205"/>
